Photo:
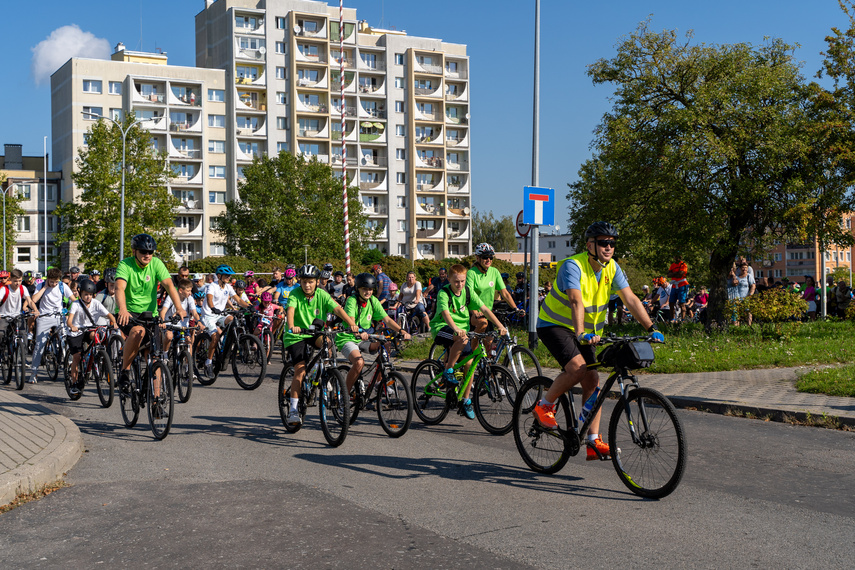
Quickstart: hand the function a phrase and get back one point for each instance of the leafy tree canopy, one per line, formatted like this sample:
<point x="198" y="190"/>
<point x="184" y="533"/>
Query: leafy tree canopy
<point x="498" y="232"/>
<point x="12" y="210"/>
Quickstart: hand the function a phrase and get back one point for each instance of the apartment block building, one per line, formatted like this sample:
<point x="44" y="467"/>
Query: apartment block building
<point x="25" y="177"/>
<point x="406" y="107"/>
<point x="184" y="110"/>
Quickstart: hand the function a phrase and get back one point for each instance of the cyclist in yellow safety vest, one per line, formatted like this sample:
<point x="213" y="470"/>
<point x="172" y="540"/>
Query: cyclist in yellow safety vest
<point x="572" y="318"/>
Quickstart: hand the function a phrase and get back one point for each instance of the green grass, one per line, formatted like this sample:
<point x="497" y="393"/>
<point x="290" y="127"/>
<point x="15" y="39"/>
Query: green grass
<point x="834" y="381"/>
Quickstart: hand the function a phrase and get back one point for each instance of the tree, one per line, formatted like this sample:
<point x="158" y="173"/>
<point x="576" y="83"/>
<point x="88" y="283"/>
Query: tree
<point x="93" y="221"/>
<point x="712" y="151"/>
<point x="500" y="233"/>
<point x="13" y="210"/>
<point x="287" y="202"/>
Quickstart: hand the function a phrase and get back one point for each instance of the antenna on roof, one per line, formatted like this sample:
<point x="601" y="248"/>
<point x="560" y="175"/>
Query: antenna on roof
<point x="382" y="14"/>
<point x="141" y="44"/>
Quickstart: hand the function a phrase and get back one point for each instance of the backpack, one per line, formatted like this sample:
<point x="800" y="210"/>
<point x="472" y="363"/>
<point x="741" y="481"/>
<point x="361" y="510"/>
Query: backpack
<point x="334" y="320"/>
<point x="447" y="290"/>
<point x="6" y="294"/>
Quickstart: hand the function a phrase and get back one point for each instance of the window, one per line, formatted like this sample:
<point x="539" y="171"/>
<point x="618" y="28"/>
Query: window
<point x="401" y="178"/>
<point x="400" y="153"/>
<point x="217" y="147"/>
<point x="216" y="198"/>
<point x="217" y="95"/>
<point x="250" y="148"/>
<point x="309" y="51"/>
<point x="451" y="66"/>
<point x="115" y="88"/>
<point x="217" y="121"/>
<point x="399" y="83"/>
<point x="185" y="222"/>
<point x="567" y="243"/>
<point x="848" y="256"/>
<point x="250" y="44"/>
<point x="399" y="59"/>
<point x="777" y="258"/>
<point x="310" y="149"/>
<point x="402" y="249"/>
<point x="281" y="147"/>
<point x="218" y="249"/>
<point x="400" y="131"/>
<point x="402" y="201"/>
<point x="24" y="191"/>
<point x="51" y="192"/>
<point x="280" y="98"/>
<point x="402" y="225"/>
<point x="89" y="111"/>
<point x="116" y="114"/>
<point x="399" y="106"/>
<point x="280" y="23"/>
<point x="216" y="172"/>
<point x="280" y="47"/>
<point x="247" y="122"/>
<point x="246" y="22"/>
<point x="24" y="255"/>
<point x="281" y="123"/>
<point x="23" y="223"/>
<point x="185" y="195"/>
<point x="184" y="170"/>
<point x="550" y="244"/>
<point x="51" y="224"/>
<point x="91" y="86"/>
<point x="280" y="73"/>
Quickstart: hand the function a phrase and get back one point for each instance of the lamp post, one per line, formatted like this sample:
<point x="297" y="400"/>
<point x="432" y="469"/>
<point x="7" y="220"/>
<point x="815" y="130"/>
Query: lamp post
<point x="124" y="137"/>
<point x="306" y="255"/>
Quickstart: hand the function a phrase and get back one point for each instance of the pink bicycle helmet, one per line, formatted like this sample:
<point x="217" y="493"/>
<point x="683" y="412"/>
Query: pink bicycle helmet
<point x="393" y="287"/>
<point x="266" y="297"/>
<point x="249" y="274"/>
<point x="290" y="273"/>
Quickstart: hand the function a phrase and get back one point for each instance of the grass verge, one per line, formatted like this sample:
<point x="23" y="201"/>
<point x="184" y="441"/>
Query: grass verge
<point x="834" y="381"/>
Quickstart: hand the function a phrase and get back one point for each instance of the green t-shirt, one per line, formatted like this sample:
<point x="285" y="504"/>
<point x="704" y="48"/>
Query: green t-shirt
<point x="141" y="289"/>
<point x="454" y="304"/>
<point x="371" y="311"/>
<point x="485" y="284"/>
<point x="306" y="311"/>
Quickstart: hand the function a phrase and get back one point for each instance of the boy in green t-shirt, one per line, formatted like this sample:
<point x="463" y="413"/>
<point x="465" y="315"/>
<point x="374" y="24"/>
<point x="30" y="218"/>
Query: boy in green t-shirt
<point x="307" y="306"/>
<point x="363" y="308"/>
<point x="451" y="323"/>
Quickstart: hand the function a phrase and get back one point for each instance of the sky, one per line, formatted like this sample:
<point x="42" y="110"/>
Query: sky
<point x="39" y="37"/>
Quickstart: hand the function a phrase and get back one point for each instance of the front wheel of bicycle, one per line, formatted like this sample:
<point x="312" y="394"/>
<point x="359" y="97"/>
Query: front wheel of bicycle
<point x="102" y="373"/>
<point x="21" y="365"/>
<point x="115" y="350"/>
<point x="184" y="375"/>
<point x="428" y="391"/>
<point x="394" y="405"/>
<point x="522" y="363"/>
<point x="128" y="399"/>
<point x="543" y="450"/>
<point x="494" y="398"/>
<point x="200" y="354"/>
<point x="161" y="401"/>
<point x="73" y="387"/>
<point x="652" y="464"/>
<point x="249" y="362"/>
<point x="334" y="407"/>
<point x="5" y="366"/>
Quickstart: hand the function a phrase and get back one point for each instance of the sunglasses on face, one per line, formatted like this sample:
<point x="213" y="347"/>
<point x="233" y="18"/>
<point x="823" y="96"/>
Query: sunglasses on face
<point x="486" y="257"/>
<point x="606" y="243"/>
<point x="146" y="251"/>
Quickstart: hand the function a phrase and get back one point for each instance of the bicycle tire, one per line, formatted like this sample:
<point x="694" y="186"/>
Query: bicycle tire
<point x="394" y="404"/>
<point x="357" y="401"/>
<point x="435" y="351"/>
<point x="429" y="401"/>
<point x="102" y="372"/>
<point x="66" y="365"/>
<point x="200" y="352"/>
<point x="69" y="385"/>
<point x="543" y="450"/>
<point x="160" y="408"/>
<point x="653" y="467"/>
<point x="128" y="399"/>
<point x="494" y="398"/>
<point x="249" y="363"/>
<point x="334" y="407"/>
<point x="267" y="344"/>
<point x="285" y="378"/>
<point x="522" y="363"/>
<point x="184" y="375"/>
<point x="5" y="366"/>
<point x="115" y="351"/>
<point x="50" y="365"/>
<point x="21" y="365"/>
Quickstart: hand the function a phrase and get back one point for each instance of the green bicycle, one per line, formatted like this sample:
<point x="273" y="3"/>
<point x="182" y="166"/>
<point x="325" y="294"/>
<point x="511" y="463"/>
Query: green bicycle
<point x="495" y="389"/>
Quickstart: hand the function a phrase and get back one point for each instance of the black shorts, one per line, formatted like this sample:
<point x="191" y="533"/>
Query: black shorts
<point x="76" y="343"/>
<point x="563" y="345"/>
<point x="445" y="338"/>
<point x="301" y="351"/>
<point x="126" y="329"/>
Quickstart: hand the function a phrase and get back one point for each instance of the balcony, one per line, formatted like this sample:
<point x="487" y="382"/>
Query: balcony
<point x="250" y="29"/>
<point x="378" y="210"/>
<point x="371" y="89"/>
<point x="425" y="67"/>
<point x="310" y="57"/>
<point x="429" y="209"/>
<point x="250" y="54"/>
<point x="185" y="126"/>
<point x="335" y="62"/>
<point x="423" y="115"/>
<point x="461" y="233"/>
<point x="309" y="107"/>
<point x="373" y="183"/>
<point x="308" y="82"/>
<point x="185" y="153"/>
<point x="430" y="186"/>
<point x="351" y="160"/>
<point x="349" y="83"/>
<point x="458" y="184"/>
<point x="371" y="161"/>
<point x="458" y="212"/>
<point x="429" y="138"/>
<point x="187" y="98"/>
<point x="376" y="136"/>
<point x="349" y="111"/>
<point x="260" y="81"/>
<point x="372" y="64"/>
<point x="462" y="166"/>
<point x="459" y="73"/>
<point x="372" y="112"/>
<point x="436" y="233"/>
<point x="150" y="98"/>
<point x="456" y="120"/>
<point x="196" y="179"/>
<point x="428" y="162"/>
<point x="317" y="31"/>
<point x="454" y="139"/>
<point x="425" y="92"/>
<point x="157" y="123"/>
<point x="349" y="135"/>
<point x="249" y="130"/>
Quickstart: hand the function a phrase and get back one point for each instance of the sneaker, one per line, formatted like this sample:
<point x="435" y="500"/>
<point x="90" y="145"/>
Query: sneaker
<point x="449" y="378"/>
<point x="74" y="391"/>
<point x="545" y="415"/>
<point x="209" y="370"/>
<point x="29" y="336"/>
<point x="32" y="380"/>
<point x="467" y="409"/>
<point x="294" y="418"/>
<point x="598" y="449"/>
<point x="125" y="381"/>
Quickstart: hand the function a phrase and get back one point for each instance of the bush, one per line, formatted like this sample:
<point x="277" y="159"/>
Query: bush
<point x="771" y="308"/>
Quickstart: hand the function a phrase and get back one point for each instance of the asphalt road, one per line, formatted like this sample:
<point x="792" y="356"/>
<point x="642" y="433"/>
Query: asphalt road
<point x="229" y="487"/>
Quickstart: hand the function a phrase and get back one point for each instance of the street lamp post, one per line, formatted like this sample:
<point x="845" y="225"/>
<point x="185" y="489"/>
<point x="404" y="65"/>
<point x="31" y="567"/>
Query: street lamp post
<point x="306" y="255"/>
<point x="124" y="137"/>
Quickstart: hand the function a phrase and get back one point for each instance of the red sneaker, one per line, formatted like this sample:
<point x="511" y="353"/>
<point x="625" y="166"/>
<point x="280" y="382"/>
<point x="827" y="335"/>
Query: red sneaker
<point x="545" y="415"/>
<point x="598" y="449"/>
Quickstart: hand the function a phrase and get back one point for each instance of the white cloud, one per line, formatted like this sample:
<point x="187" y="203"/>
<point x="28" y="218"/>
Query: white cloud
<point x="62" y="44"/>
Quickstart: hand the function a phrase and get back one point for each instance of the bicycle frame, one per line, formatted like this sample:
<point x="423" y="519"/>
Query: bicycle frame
<point x="475" y="358"/>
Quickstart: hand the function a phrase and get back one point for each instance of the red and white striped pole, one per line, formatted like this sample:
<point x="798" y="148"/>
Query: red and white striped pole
<point x="343" y="144"/>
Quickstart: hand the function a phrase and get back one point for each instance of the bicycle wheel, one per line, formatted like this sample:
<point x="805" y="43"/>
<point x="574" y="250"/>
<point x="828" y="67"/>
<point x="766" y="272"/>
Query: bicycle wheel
<point x="522" y="363"/>
<point x="435" y="351"/>
<point x="267" y="343"/>
<point x="128" y="399"/>
<point x="184" y="375"/>
<point x="334" y="407"/>
<point x="200" y="352"/>
<point x="494" y="397"/>
<point x="50" y="364"/>
<point x="66" y="365"/>
<point x="160" y="406"/>
<point x="428" y="391"/>
<point x="653" y="465"/>
<point x="20" y="365"/>
<point x="5" y="366"/>
<point x="115" y="350"/>
<point x="543" y="450"/>
<point x="394" y="405"/>
<point x="249" y="363"/>
<point x="285" y="378"/>
<point x="357" y="398"/>
<point x="102" y="372"/>
<point x="72" y="388"/>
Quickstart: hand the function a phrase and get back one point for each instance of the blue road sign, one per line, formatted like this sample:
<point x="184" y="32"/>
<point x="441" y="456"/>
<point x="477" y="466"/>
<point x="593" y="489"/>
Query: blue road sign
<point x="539" y="206"/>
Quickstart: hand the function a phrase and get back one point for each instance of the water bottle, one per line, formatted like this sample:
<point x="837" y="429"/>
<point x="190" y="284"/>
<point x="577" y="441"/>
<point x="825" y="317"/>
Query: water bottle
<point x="589" y="405"/>
<point x="313" y="373"/>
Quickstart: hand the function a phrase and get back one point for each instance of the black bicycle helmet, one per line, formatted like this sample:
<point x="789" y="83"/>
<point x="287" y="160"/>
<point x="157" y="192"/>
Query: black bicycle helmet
<point x="28" y="275"/>
<point x="240" y="284"/>
<point x="110" y="275"/>
<point x="328" y="267"/>
<point x="520" y="275"/>
<point x="365" y="280"/>
<point x="143" y="242"/>
<point x="325" y="274"/>
<point x="309" y="271"/>
<point x="505" y="275"/>
<point x="601" y="229"/>
<point x="338" y="273"/>
<point x="87" y="286"/>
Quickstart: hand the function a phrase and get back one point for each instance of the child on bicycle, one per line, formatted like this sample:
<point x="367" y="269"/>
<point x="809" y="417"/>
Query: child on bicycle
<point x="272" y="313"/>
<point x="363" y="308"/>
<point x="308" y="306"/>
<point x="185" y="294"/>
<point x="217" y="296"/>
<point x="85" y="312"/>
<point x="450" y="324"/>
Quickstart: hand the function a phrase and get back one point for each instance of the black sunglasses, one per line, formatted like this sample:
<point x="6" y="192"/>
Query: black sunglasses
<point x="486" y="256"/>
<point x="606" y="243"/>
<point x="146" y="251"/>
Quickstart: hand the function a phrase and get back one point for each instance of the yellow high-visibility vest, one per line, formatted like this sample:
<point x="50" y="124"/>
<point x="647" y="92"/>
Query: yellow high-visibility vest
<point x="595" y="296"/>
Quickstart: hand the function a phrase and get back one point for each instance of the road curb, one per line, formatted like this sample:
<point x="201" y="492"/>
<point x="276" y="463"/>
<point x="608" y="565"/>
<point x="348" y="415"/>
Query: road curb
<point x="49" y="464"/>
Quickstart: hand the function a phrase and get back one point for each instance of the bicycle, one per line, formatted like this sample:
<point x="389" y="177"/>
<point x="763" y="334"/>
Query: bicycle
<point x="115" y="348"/>
<point x="56" y="347"/>
<point x="264" y="327"/>
<point x="150" y="387"/>
<point x="409" y="321"/>
<point x="392" y="396"/>
<point x="324" y="382"/>
<point x="94" y="363"/>
<point x="180" y="361"/>
<point x="236" y="346"/>
<point x="645" y="435"/>
<point x="13" y="360"/>
<point x="495" y="389"/>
